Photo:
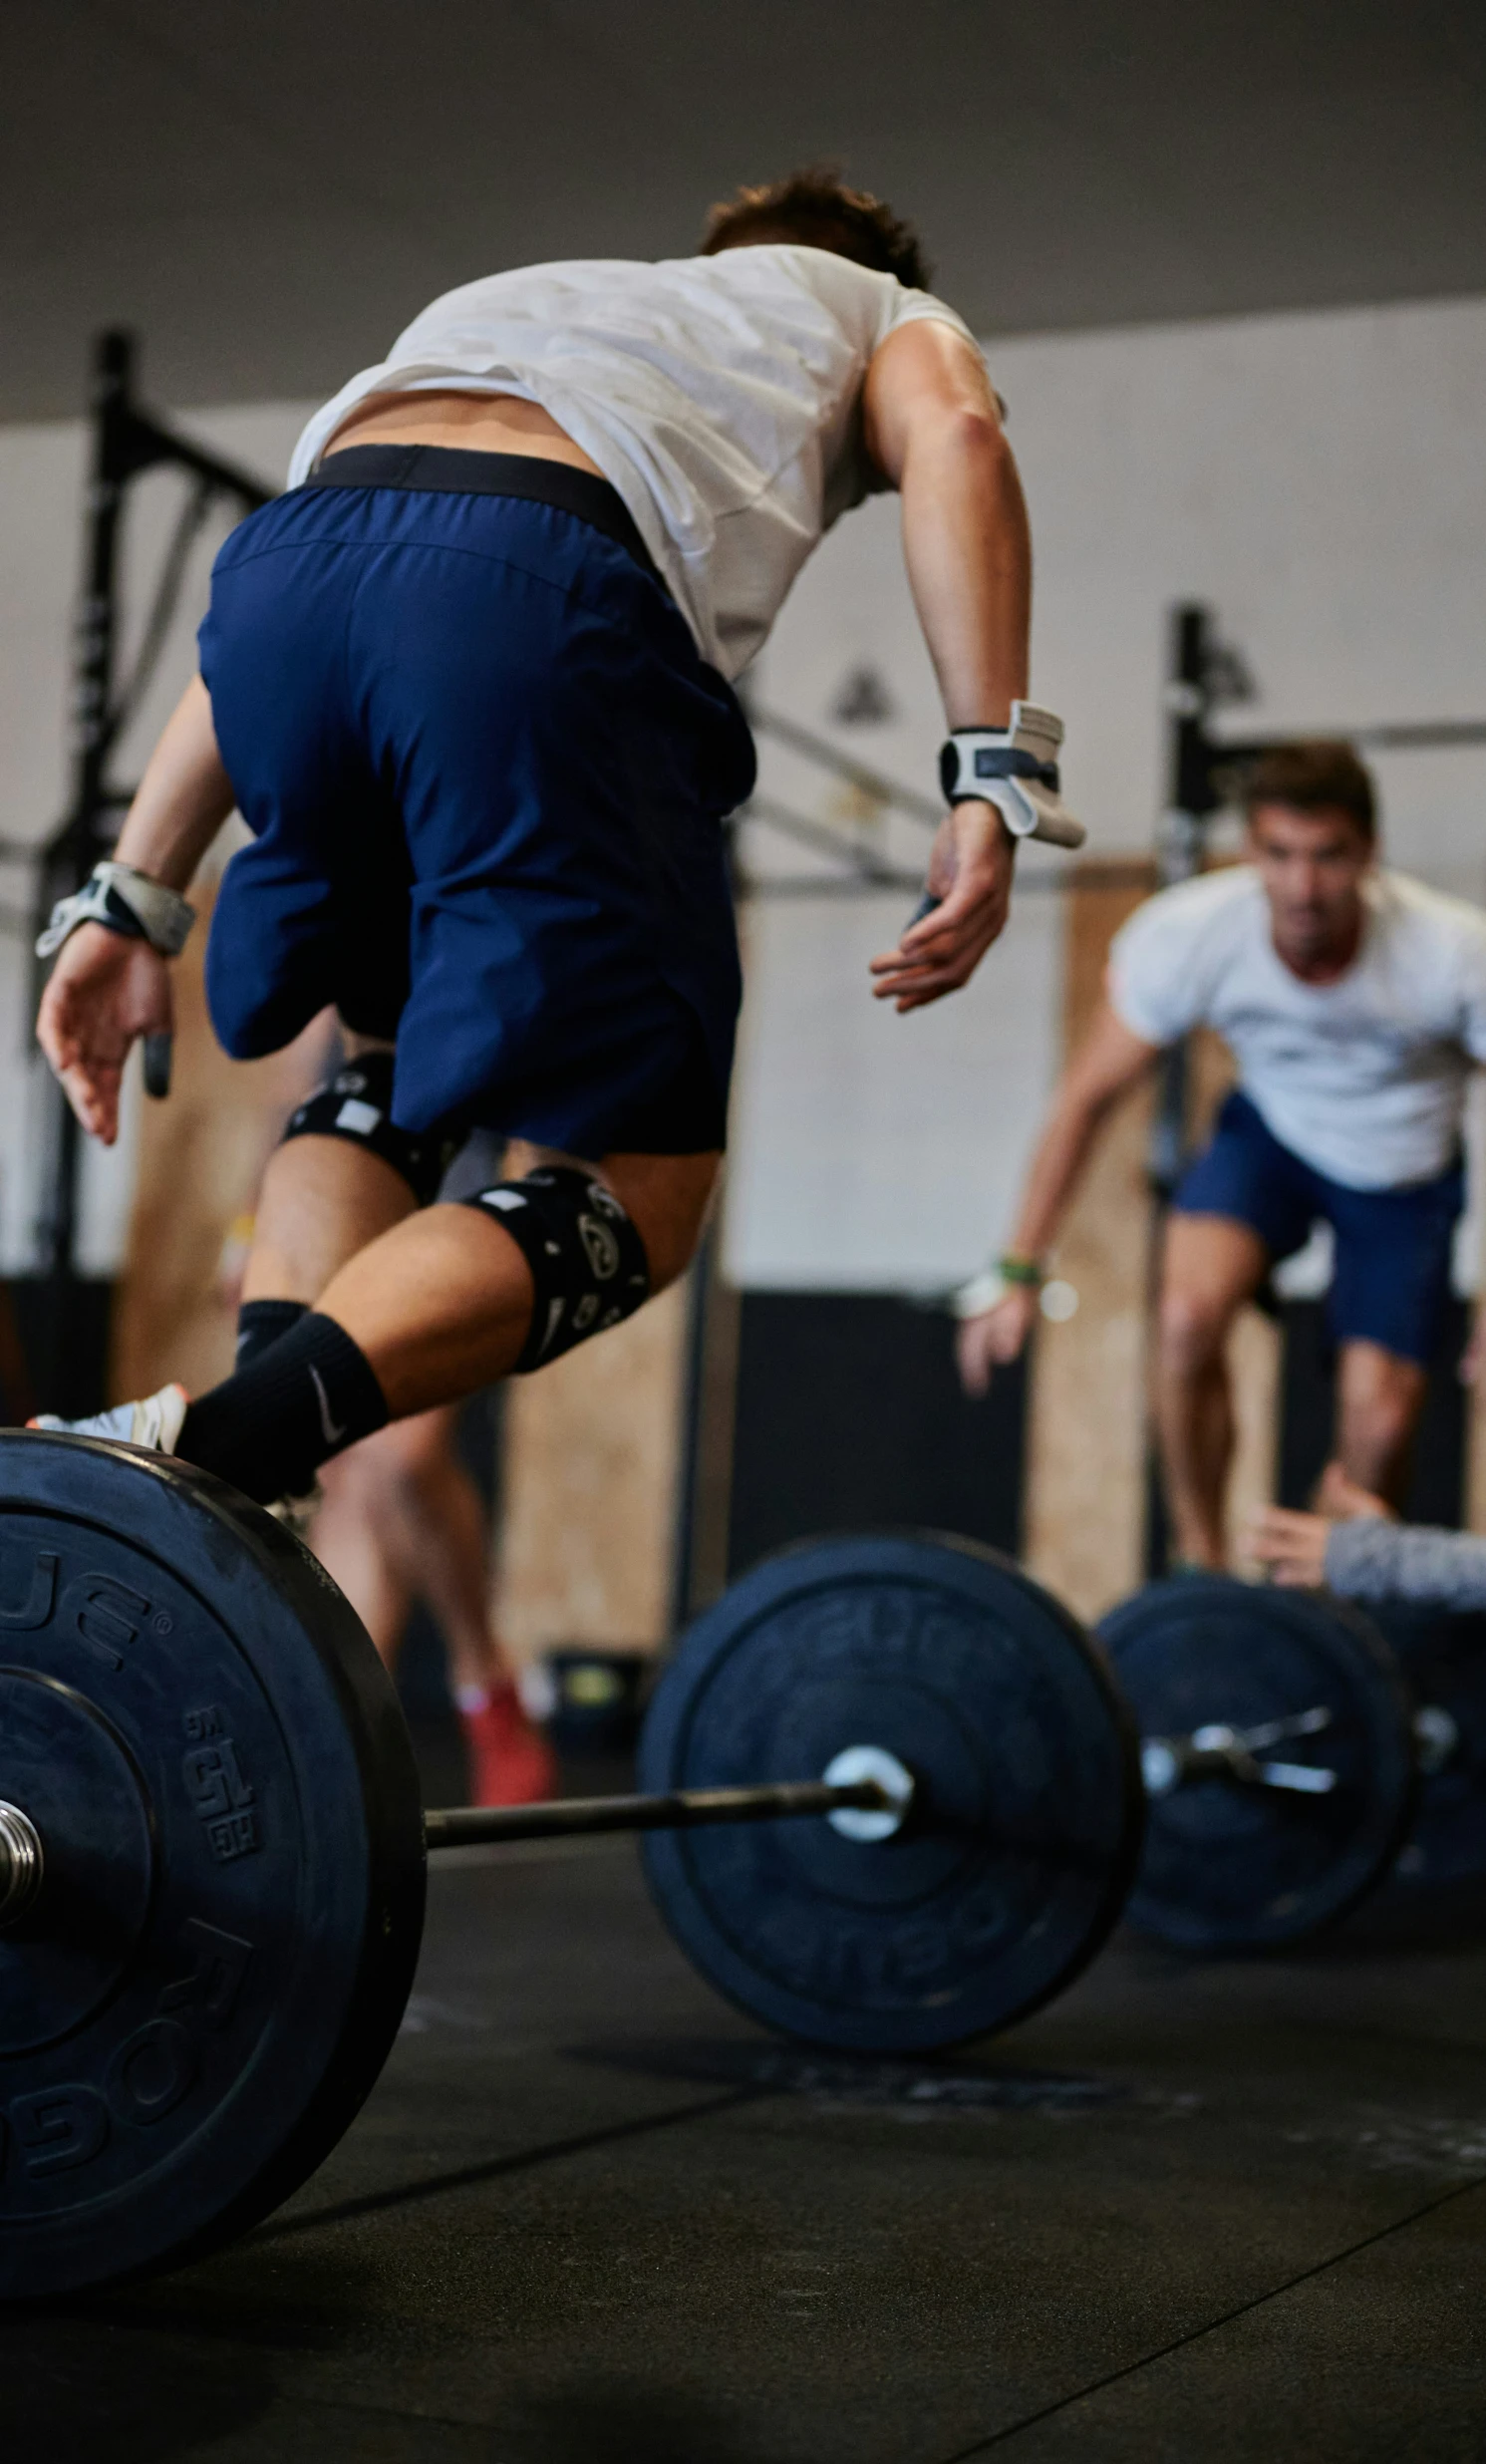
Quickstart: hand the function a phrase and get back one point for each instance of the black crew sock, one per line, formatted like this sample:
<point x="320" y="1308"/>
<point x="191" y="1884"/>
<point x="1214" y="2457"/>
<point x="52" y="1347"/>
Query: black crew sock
<point x="269" y="1426"/>
<point x="261" y="1323"/>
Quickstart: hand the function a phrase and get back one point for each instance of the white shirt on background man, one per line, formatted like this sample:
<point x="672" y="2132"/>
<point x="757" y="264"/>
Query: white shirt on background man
<point x="1363" y="1078"/>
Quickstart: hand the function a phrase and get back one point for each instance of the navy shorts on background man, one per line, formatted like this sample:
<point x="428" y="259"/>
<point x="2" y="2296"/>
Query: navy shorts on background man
<point x="485" y="770"/>
<point x="1391" y="1280"/>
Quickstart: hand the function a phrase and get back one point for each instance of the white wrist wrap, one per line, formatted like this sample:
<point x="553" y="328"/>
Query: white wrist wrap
<point x="1016" y="769"/>
<point x="127" y="902"/>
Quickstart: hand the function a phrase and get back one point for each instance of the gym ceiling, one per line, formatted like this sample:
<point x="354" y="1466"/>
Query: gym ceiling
<point x="267" y="189"/>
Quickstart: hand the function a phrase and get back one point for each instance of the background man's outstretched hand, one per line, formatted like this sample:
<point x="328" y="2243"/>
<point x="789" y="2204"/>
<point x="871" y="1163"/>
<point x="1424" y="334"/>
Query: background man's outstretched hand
<point x="988" y="1341"/>
<point x="970" y="872"/>
<point x="104" y="990"/>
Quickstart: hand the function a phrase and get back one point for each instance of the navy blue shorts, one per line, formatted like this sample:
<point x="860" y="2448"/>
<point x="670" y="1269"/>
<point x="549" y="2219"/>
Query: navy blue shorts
<point x="485" y="770"/>
<point x="1393" y="1273"/>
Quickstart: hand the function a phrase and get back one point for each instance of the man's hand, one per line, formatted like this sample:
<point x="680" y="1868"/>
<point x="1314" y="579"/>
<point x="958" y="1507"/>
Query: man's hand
<point x="1292" y="1546"/>
<point x="970" y="872"/>
<point x="104" y="990"/>
<point x="107" y="989"/>
<point x="997" y="1335"/>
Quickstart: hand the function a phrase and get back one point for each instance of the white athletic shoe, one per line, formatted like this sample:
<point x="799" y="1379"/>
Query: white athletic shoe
<point x="298" y="1513"/>
<point x="154" y="1422"/>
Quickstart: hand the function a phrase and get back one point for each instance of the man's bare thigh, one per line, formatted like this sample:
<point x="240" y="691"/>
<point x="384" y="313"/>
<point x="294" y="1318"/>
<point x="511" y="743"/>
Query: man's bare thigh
<point x="1212" y="1261"/>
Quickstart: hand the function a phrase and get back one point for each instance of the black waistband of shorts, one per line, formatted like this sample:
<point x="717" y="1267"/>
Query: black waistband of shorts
<point x="448" y="470"/>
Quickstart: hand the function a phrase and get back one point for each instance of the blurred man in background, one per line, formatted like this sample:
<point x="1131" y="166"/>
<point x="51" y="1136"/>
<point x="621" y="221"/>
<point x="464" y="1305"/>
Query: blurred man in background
<point x="1354" y="1000"/>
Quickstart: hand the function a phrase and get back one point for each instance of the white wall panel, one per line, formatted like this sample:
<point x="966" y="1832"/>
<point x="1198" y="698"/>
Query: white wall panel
<point x="872" y="1152"/>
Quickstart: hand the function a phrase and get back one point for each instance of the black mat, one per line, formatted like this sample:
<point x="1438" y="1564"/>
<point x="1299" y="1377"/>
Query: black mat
<point x="592" y="2217"/>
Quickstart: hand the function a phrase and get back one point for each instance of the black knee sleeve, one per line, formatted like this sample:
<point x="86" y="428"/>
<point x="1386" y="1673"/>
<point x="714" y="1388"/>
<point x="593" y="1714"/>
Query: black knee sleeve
<point x="357" y="1104"/>
<point x="587" y="1260"/>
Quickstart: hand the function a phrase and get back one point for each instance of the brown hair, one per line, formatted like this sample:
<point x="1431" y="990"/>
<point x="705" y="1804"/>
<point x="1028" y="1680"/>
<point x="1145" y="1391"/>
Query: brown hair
<point x="1320" y="774"/>
<point x="813" y="209"/>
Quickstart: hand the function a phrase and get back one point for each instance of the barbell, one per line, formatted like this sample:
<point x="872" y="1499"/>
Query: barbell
<point x="1296" y="1751"/>
<point x="891" y="1798"/>
<point x="1279" y="1758"/>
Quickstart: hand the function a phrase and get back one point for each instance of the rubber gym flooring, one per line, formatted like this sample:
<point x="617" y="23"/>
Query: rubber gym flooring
<point x="591" y="2215"/>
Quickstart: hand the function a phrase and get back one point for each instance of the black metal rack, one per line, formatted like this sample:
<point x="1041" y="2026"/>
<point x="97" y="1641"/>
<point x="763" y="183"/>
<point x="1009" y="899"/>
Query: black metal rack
<point x="126" y="441"/>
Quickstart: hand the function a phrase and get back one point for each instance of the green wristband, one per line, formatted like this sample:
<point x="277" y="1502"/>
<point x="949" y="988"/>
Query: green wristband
<point x="1020" y="1271"/>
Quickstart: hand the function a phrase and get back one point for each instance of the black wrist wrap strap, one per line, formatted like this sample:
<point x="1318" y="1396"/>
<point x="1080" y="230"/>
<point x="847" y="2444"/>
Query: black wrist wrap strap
<point x="357" y="1104"/>
<point x="990" y="761"/>
<point x="587" y="1260"/>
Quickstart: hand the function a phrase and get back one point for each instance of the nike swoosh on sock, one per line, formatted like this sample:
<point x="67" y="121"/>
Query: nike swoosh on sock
<point x="331" y="1433"/>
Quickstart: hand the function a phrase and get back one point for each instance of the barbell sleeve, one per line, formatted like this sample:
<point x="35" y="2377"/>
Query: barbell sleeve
<point x="1220" y="1752"/>
<point x="21" y="1863"/>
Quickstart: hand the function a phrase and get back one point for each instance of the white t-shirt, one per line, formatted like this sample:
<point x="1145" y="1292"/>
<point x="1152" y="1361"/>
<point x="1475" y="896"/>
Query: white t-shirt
<point x="720" y="395"/>
<point x="1363" y="1078"/>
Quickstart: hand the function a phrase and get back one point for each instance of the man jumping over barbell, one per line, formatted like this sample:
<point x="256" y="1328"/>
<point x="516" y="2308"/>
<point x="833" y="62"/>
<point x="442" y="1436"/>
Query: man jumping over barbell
<point x="466" y="683"/>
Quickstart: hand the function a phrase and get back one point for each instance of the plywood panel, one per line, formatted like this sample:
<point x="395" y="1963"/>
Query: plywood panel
<point x="1086" y="1447"/>
<point x="202" y="1156"/>
<point x="714" y="1431"/>
<point x="590" y="1463"/>
<point x="1255" y="1346"/>
<point x="1254" y="1364"/>
<point x="1086" y="1453"/>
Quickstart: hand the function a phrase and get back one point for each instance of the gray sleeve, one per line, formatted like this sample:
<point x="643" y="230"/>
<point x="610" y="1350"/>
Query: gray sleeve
<point x="1374" y="1560"/>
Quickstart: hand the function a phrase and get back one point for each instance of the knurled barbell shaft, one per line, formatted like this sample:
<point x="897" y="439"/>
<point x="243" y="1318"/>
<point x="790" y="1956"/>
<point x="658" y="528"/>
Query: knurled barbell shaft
<point x="679" y="1809"/>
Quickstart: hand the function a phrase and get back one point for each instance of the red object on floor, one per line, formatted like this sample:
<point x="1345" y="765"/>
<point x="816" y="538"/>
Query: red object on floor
<point x="510" y="1761"/>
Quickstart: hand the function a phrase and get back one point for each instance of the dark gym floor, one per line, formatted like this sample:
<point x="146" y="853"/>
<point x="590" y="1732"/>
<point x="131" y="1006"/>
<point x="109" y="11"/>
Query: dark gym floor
<point x="590" y="2215"/>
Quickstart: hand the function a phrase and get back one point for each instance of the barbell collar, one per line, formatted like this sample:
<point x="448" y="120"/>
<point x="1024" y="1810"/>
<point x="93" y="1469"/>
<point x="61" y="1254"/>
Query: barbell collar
<point x="1436" y="1738"/>
<point x="1220" y="1752"/>
<point x="678" y="1810"/>
<point x="22" y="1864"/>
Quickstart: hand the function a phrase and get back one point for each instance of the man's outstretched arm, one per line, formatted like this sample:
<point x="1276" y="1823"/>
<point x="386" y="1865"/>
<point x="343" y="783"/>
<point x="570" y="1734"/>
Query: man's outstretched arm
<point x="1356" y="1546"/>
<point x="1110" y="1060"/>
<point x="933" y="429"/>
<point x="104" y="990"/>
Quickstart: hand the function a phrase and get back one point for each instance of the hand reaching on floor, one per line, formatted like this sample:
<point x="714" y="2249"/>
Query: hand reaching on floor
<point x="1291" y="1547"/>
